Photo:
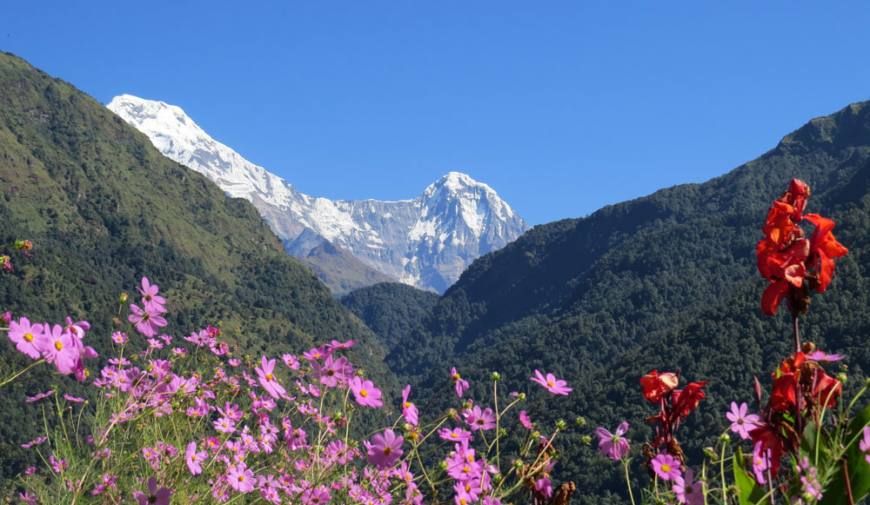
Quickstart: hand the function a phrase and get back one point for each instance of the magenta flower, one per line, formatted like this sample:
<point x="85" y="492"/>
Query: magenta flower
<point x="332" y="371"/>
<point x="150" y="299"/>
<point x="365" y="392"/>
<point x="155" y="496"/>
<point x="147" y="322"/>
<point x="822" y="356"/>
<point x="864" y="445"/>
<point x="409" y="410"/>
<point x="455" y="435"/>
<point x="544" y="486"/>
<point x="688" y="492"/>
<point x="194" y="459"/>
<point x="39" y="396"/>
<point x="525" y="421"/>
<point x="59" y="348"/>
<point x="25" y="336"/>
<point x="551" y="383"/>
<point x="741" y="422"/>
<point x="613" y="445"/>
<point x="479" y="419"/>
<point x="460" y="385"/>
<point x="384" y="449"/>
<point x="265" y="374"/>
<point x="760" y="463"/>
<point x="241" y="478"/>
<point x="666" y="467"/>
<point x="73" y="399"/>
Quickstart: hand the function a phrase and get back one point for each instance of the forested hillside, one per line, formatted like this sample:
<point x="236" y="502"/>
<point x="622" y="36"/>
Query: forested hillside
<point x="103" y="207"/>
<point x="666" y="281"/>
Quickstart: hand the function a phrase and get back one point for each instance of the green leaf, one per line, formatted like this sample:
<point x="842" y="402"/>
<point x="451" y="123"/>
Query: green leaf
<point x="858" y="469"/>
<point x="748" y="491"/>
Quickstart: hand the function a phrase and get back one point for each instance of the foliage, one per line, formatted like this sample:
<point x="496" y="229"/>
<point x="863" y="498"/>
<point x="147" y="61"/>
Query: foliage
<point x="599" y="298"/>
<point x="102" y="206"/>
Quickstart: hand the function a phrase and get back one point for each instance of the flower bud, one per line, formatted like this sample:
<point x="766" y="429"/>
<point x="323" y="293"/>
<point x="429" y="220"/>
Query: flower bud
<point x="123" y="297"/>
<point x="522" y="397"/>
<point x="453" y="414"/>
<point x="502" y="432"/>
<point x="561" y="424"/>
<point x="586" y="439"/>
<point x="497" y="478"/>
<point x="518" y="464"/>
<point x="710" y="452"/>
<point x="496" y="376"/>
<point x="536" y="434"/>
<point x="842" y="377"/>
<point x="442" y="465"/>
<point x="725" y="437"/>
<point x="580" y="422"/>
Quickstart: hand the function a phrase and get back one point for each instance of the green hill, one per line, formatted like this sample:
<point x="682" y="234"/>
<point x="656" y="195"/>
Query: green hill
<point x="103" y="207"/>
<point x="666" y="281"/>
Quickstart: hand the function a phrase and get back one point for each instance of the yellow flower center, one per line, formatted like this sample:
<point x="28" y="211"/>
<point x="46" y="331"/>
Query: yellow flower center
<point x="270" y="377"/>
<point x="551" y="384"/>
<point x="387" y="451"/>
<point x="241" y="478"/>
<point x="466" y="469"/>
<point x="58" y="345"/>
<point x="470" y="458"/>
<point x="28" y="337"/>
<point x="407" y="405"/>
<point x="666" y="468"/>
<point x="364" y="393"/>
<point x="454" y="435"/>
<point x="456" y="376"/>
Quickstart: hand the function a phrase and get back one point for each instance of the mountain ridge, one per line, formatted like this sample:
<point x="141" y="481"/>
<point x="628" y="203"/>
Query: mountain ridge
<point x="425" y="241"/>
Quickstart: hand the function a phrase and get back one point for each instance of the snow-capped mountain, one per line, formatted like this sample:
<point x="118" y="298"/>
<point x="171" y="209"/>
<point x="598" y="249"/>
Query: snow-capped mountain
<point x="426" y="241"/>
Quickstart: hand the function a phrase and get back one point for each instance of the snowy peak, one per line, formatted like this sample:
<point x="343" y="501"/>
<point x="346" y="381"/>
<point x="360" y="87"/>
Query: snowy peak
<point x="425" y="241"/>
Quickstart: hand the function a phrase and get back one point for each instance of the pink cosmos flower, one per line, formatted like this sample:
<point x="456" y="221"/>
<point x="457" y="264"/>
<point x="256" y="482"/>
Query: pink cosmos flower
<point x="525" y="421"/>
<point x="265" y="374"/>
<point x="741" y="422"/>
<point x="409" y="410"/>
<point x="225" y="425"/>
<point x="25" y="336"/>
<point x="155" y="496"/>
<point x="241" y="478"/>
<point x="57" y="465"/>
<point x="59" y="348"/>
<point x="33" y="443"/>
<point x="551" y="383"/>
<point x="460" y="385"/>
<point x="291" y="361"/>
<point x="119" y="337"/>
<point x="864" y="445"/>
<point x="479" y="419"/>
<point x="760" y="463"/>
<point x="150" y="299"/>
<point x="822" y="356"/>
<point x="73" y="399"/>
<point x="332" y="371"/>
<point x="455" y="435"/>
<point x="544" y="486"/>
<point x="316" y="496"/>
<point x="666" y="467"/>
<point x="687" y="491"/>
<point x="384" y="449"/>
<point x="194" y="459"/>
<point x="365" y="392"/>
<point x="613" y="445"/>
<point x="39" y="396"/>
<point x="147" y="322"/>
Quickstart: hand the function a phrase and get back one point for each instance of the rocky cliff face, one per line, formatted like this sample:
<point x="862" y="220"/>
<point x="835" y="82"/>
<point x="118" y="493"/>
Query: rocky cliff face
<point x="426" y="242"/>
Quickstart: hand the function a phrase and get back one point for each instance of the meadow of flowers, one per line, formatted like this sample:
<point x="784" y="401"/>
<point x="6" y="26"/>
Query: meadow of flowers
<point x="192" y="419"/>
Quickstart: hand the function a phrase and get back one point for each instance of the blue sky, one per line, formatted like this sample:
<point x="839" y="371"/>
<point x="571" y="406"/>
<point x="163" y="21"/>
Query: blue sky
<point x="561" y="106"/>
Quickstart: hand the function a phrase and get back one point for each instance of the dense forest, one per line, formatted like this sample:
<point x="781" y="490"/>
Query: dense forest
<point x="667" y="281"/>
<point x="103" y="207"/>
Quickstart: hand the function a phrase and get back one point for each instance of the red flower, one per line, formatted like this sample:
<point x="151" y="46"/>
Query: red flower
<point x="824" y="248"/>
<point x="783" y="398"/>
<point x="826" y="389"/>
<point x="771" y="443"/>
<point x="656" y="385"/>
<point x="687" y="399"/>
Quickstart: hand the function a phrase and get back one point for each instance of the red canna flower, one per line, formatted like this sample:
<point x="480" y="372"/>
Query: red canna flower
<point x="656" y="385"/>
<point x="687" y="399"/>
<point x="783" y="398"/>
<point x="826" y="389"/>
<point x="787" y="259"/>
<point x="824" y="248"/>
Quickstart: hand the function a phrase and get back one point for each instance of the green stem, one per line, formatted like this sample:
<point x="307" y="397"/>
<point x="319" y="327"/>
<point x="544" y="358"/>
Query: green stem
<point x="722" y="473"/>
<point x="628" y="481"/>
<point x="21" y="372"/>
